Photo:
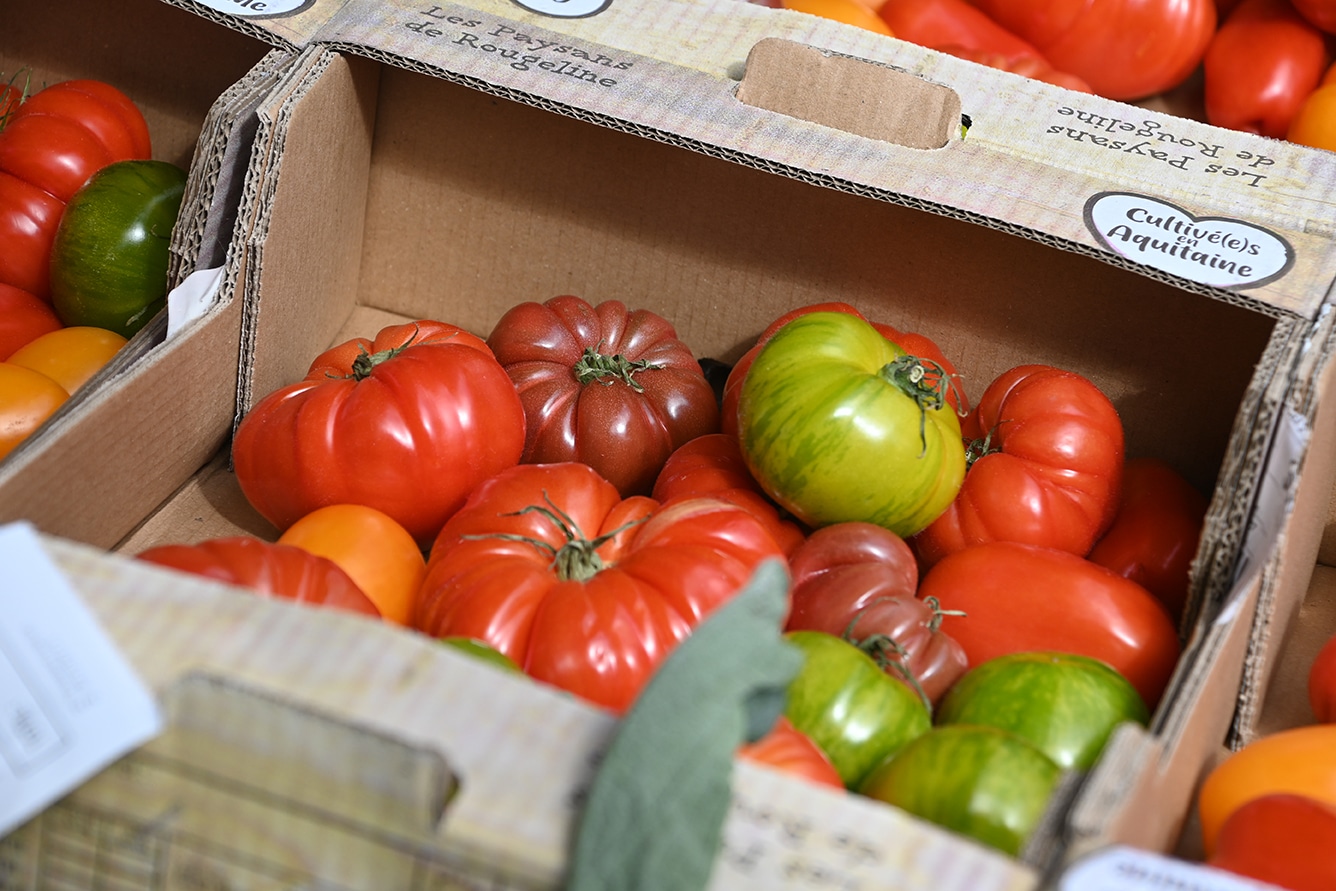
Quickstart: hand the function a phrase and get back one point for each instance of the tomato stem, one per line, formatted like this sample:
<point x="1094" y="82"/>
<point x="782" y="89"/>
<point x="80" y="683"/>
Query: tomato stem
<point x="888" y="652"/>
<point x="980" y="448"/>
<point x="924" y="381"/>
<point x="595" y="367"/>
<point x="366" y="362"/>
<point x="26" y="73"/>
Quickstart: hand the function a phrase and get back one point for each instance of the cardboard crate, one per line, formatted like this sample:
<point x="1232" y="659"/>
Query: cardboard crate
<point x="130" y="437"/>
<point x="420" y="165"/>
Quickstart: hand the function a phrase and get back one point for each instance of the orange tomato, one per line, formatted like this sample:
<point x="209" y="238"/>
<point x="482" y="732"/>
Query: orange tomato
<point x="850" y="12"/>
<point x="27" y="399"/>
<point x="369" y="545"/>
<point x="1301" y="760"/>
<point x="69" y="356"/>
<point x="1314" y="124"/>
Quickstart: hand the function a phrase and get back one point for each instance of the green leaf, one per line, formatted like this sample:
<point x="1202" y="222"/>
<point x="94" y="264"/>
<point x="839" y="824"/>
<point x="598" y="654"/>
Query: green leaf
<point x="656" y="807"/>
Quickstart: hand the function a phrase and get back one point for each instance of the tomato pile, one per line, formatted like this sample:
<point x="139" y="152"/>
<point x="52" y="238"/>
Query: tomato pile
<point x="1265" y="65"/>
<point x="995" y="585"/>
<point x="85" y="221"/>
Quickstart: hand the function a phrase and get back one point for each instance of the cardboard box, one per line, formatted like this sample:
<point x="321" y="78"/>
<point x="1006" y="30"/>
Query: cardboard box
<point x="450" y="161"/>
<point x="129" y="438"/>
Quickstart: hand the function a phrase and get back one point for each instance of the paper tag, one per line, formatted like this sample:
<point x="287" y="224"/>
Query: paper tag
<point x="192" y="298"/>
<point x="1127" y="869"/>
<point x="565" y="9"/>
<point x="69" y="702"/>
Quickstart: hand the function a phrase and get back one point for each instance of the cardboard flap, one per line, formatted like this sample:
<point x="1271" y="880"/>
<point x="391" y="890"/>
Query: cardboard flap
<point x="849" y="94"/>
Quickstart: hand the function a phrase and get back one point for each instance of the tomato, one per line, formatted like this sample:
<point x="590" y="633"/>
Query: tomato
<point x="585" y="590"/>
<point x="408" y="423"/>
<point x="481" y="651"/>
<point x="1262" y="64"/>
<point x="100" y="108"/>
<point x="1046" y="466"/>
<point x="981" y="782"/>
<point x="1033" y="67"/>
<point x="109" y="259"/>
<point x="1322" y="13"/>
<point x="1301" y="760"/>
<point x="1018" y="597"/>
<point x="788" y="749"/>
<point x="713" y="465"/>
<point x="376" y="552"/>
<point x="23" y="318"/>
<point x="1125" y="49"/>
<point x="955" y="23"/>
<point x="912" y="343"/>
<point x="28" y="220"/>
<point x="273" y="570"/>
<point x="608" y="386"/>
<point x="1065" y="705"/>
<point x="852" y="709"/>
<point x="53" y="153"/>
<point x="1322" y="683"/>
<point x="1155" y="533"/>
<point x="27" y="399"/>
<point x="858" y="581"/>
<point x="837" y="423"/>
<point x="1282" y="839"/>
<point x="851" y="12"/>
<point x="1315" y="122"/>
<point x="70" y="356"/>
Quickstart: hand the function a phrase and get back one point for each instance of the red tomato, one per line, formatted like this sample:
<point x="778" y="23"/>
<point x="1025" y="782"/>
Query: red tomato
<point x="27" y="399"/>
<point x="1261" y="65"/>
<point x="1047" y="466"/>
<point x="583" y="589"/>
<point x="939" y="23"/>
<point x="70" y="356"/>
<point x="274" y="570"/>
<point x="104" y="110"/>
<point x="788" y="749"/>
<point x="1301" y="760"/>
<point x="858" y="581"/>
<point x="605" y="385"/>
<point x="1125" y="49"/>
<point x="407" y="423"/>
<point x="23" y="318"/>
<point x="1283" y="839"/>
<point x="713" y="465"/>
<point x="29" y="217"/>
<point x="912" y="343"/>
<point x="1322" y="13"/>
<point x="1156" y="531"/>
<point x="1322" y="683"/>
<point x="1018" y="597"/>
<point x="1033" y="67"/>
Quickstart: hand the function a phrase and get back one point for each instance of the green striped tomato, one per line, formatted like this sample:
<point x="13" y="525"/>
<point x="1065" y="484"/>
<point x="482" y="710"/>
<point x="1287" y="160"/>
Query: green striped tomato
<point x="839" y="424"/>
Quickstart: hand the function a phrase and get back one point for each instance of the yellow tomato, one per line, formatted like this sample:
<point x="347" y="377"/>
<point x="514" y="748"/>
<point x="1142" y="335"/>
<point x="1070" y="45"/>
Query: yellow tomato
<point x="373" y="548"/>
<point x="851" y="12"/>
<point x="69" y="356"/>
<point x="27" y="399"/>
<point x="1315" y="122"/>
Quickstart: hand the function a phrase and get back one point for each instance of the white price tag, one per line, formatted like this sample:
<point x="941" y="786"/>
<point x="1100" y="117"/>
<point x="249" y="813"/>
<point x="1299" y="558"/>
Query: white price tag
<point x="1129" y="869"/>
<point x="192" y="298"/>
<point x="69" y="701"/>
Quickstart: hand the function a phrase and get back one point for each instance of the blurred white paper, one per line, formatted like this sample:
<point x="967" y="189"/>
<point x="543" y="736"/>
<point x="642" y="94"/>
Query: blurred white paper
<point x="192" y="298"/>
<point x="70" y="703"/>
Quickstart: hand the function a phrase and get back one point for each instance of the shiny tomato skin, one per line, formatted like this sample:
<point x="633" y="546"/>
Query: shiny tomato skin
<point x="981" y="782"/>
<point x="1155" y="533"/>
<point x="29" y="217"/>
<point x="712" y="464"/>
<point x="1018" y="597"/>
<point x="938" y="23"/>
<point x="23" y="318"/>
<point x="606" y="385"/>
<point x="585" y="590"/>
<point x="53" y="153"/>
<point x="1322" y="683"/>
<point x="789" y="750"/>
<point x="109" y="114"/>
<point x="70" y="356"/>
<point x="1033" y="67"/>
<point x="273" y="570"/>
<point x="1064" y="704"/>
<point x="858" y="581"/>
<point x="27" y="399"/>
<point x="1051" y="473"/>
<point x="855" y="712"/>
<point x="1283" y="839"/>
<point x="433" y="416"/>
<point x="1300" y="760"/>
<point x="1261" y="66"/>
<point x="1125" y="49"/>
<point x="1322" y="13"/>
<point x="837" y="425"/>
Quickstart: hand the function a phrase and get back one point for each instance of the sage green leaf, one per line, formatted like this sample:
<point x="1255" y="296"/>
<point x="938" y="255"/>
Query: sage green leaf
<point x="655" y="809"/>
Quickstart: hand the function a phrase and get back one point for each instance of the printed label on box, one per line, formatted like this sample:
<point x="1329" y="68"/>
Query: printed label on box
<point x="1127" y="869"/>
<point x="258" y="8"/>
<point x="565" y="9"/>
<point x="69" y="702"/>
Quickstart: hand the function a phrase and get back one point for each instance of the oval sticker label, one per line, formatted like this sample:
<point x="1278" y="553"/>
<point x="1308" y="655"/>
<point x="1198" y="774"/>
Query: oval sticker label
<point x="254" y="9"/>
<point x="1216" y="251"/>
<point x="565" y="9"/>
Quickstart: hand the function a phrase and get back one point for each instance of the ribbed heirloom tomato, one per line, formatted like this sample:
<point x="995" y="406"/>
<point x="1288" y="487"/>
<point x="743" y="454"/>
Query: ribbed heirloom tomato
<point x="583" y="589"/>
<point x="408" y="423"/>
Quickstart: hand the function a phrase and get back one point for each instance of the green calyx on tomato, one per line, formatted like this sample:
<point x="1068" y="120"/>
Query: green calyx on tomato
<point x="577" y="559"/>
<point x="597" y="368"/>
<point x="837" y="423"/>
<point x="110" y="254"/>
